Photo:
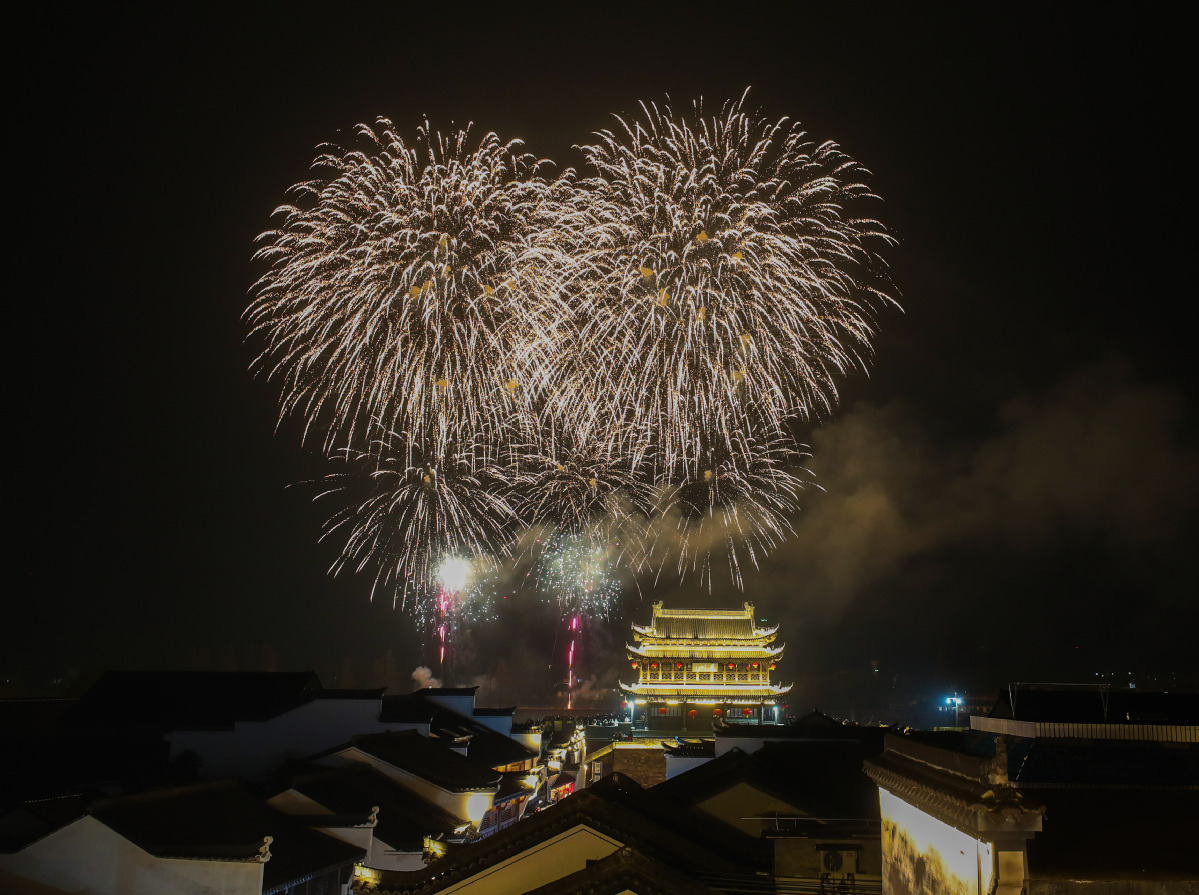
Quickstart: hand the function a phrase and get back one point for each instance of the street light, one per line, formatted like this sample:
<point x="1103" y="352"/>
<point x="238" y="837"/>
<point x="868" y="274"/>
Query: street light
<point x="956" y="702"/>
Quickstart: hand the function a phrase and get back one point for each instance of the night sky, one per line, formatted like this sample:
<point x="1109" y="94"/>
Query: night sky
<point x="1010" y="495"/>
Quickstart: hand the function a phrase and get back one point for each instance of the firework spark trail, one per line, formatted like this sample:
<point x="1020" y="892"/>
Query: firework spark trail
<point x="570" y="662"/>
<point x="720" y="282"/>
<point x="405" y="520"/>
<point x="738" y="508"/>
<point x="489" y="350"/>
<point x="403" y="289"/>
<point x="577" y="573"/>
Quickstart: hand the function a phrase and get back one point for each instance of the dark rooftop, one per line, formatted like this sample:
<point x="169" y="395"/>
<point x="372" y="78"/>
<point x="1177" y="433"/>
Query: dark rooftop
<point x="681" y="748"/>
<point x="197" y="700"/>
<point x="1116" y="834"/>
<point x="407" y="709"/>
<point x="823" y="779"/>
<point x="446" y="691"/>
<point x="484" y="744"/>
<point x="814" y="725"/>
<point x="32" y="820"/>
<point x="223" y="820"/>
<point x="1056" y="762"/>
<point x="404" y="818"/>
<point x="626" y="870"/>
<point x="495" y="712"/>
<point x="427" y="758"/>
<point x="1065" y="762"/>
<point x="1095" y="705"/>
<point x="615" y="806"/>
<point x="190" y="700"/>
<point x="32" y="717"/>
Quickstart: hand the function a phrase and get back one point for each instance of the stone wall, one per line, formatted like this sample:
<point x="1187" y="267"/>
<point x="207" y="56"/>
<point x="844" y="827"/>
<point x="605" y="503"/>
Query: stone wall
<point x="642" y="761"/>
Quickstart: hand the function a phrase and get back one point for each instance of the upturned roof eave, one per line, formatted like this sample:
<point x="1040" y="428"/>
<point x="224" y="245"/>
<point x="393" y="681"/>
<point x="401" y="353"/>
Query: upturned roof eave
<point x="657" y="638"/>
<point x="684" y="648"/>
<point x="667" y="688"/>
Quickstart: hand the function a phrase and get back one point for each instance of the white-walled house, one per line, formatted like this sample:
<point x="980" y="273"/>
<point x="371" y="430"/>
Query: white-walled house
<point x="244" y="724"/>
<point x="209" y="839"/>
<point x="424" y="766"/>
<point x="86" y="856"/>
<point x="255" y="748"/>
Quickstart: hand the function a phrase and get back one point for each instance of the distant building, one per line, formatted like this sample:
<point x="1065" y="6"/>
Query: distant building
<point x="697" y="666"/>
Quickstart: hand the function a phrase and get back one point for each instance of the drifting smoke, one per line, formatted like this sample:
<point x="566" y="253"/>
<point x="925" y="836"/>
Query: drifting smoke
<point x="422" y="676"/>
<point x="1096" y="457"/>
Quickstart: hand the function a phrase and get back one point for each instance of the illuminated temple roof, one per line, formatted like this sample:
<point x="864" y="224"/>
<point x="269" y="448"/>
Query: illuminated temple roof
<point x="704" y="625"/>
<point x="753" y="651"/>
<point x="705" y="656"/>
<point x="702" y="691"/>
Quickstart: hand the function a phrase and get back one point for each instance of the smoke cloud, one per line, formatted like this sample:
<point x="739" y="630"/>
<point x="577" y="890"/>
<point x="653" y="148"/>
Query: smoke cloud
<point x="1097" y="456"/>
<point x="422" y="676"/>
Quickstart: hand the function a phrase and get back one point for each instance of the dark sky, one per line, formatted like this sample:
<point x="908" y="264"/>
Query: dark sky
<point x="1010" y="495"/>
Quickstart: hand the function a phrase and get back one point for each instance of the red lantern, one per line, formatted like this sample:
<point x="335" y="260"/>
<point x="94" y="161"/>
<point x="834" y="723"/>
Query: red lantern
<point x="653" y="664"/>
<point x="634" y="664"/>
<point x="732" y="665"/>
<point x="755" y="665"/>
<point x="717" y="712"/>
<point x="624" y="704"/>
<point x="661" y="710"/>
<point x="692" y="713"/>
<point x="678" y="664"/>
<point x="747" y="712"/>
<point x="773" y="666"/>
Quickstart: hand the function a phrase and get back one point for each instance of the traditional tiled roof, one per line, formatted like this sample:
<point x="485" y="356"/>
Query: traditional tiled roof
<point x="1104" y="822"/>
<point x="1096" y="705"/>
<point x="446" y="691"/>
<point x="197" y="700"/>
<point x="32" y="717"/>
<point x="681" y="748"/>
<point x="34" y="819"/>
<point x="626" y="870"/>
<point x="655" y="651"/>
<point x="954" y="784"/>
<point x="483" y="744"/>
<point x="223" y="821"/>
<point x="704" y="691"/>
<point x="404" y="818"/>
<point x="89" y="761"/>
<point x="615" y="806"/>
<point x="823" y="779"/>
<point x="1090" y="763"/>
<point x="495" y="712"/>
<point x="406" y="709"/>
<point x="428" y="759"/>
<point x="814" y="725"/>
<point x="1130" y="835"/>
<point x="512" y="786"/>
<point x="704" y="624"/>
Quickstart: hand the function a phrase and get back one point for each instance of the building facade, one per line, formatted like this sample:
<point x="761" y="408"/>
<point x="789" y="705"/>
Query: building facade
<point x="698" y="666"/>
